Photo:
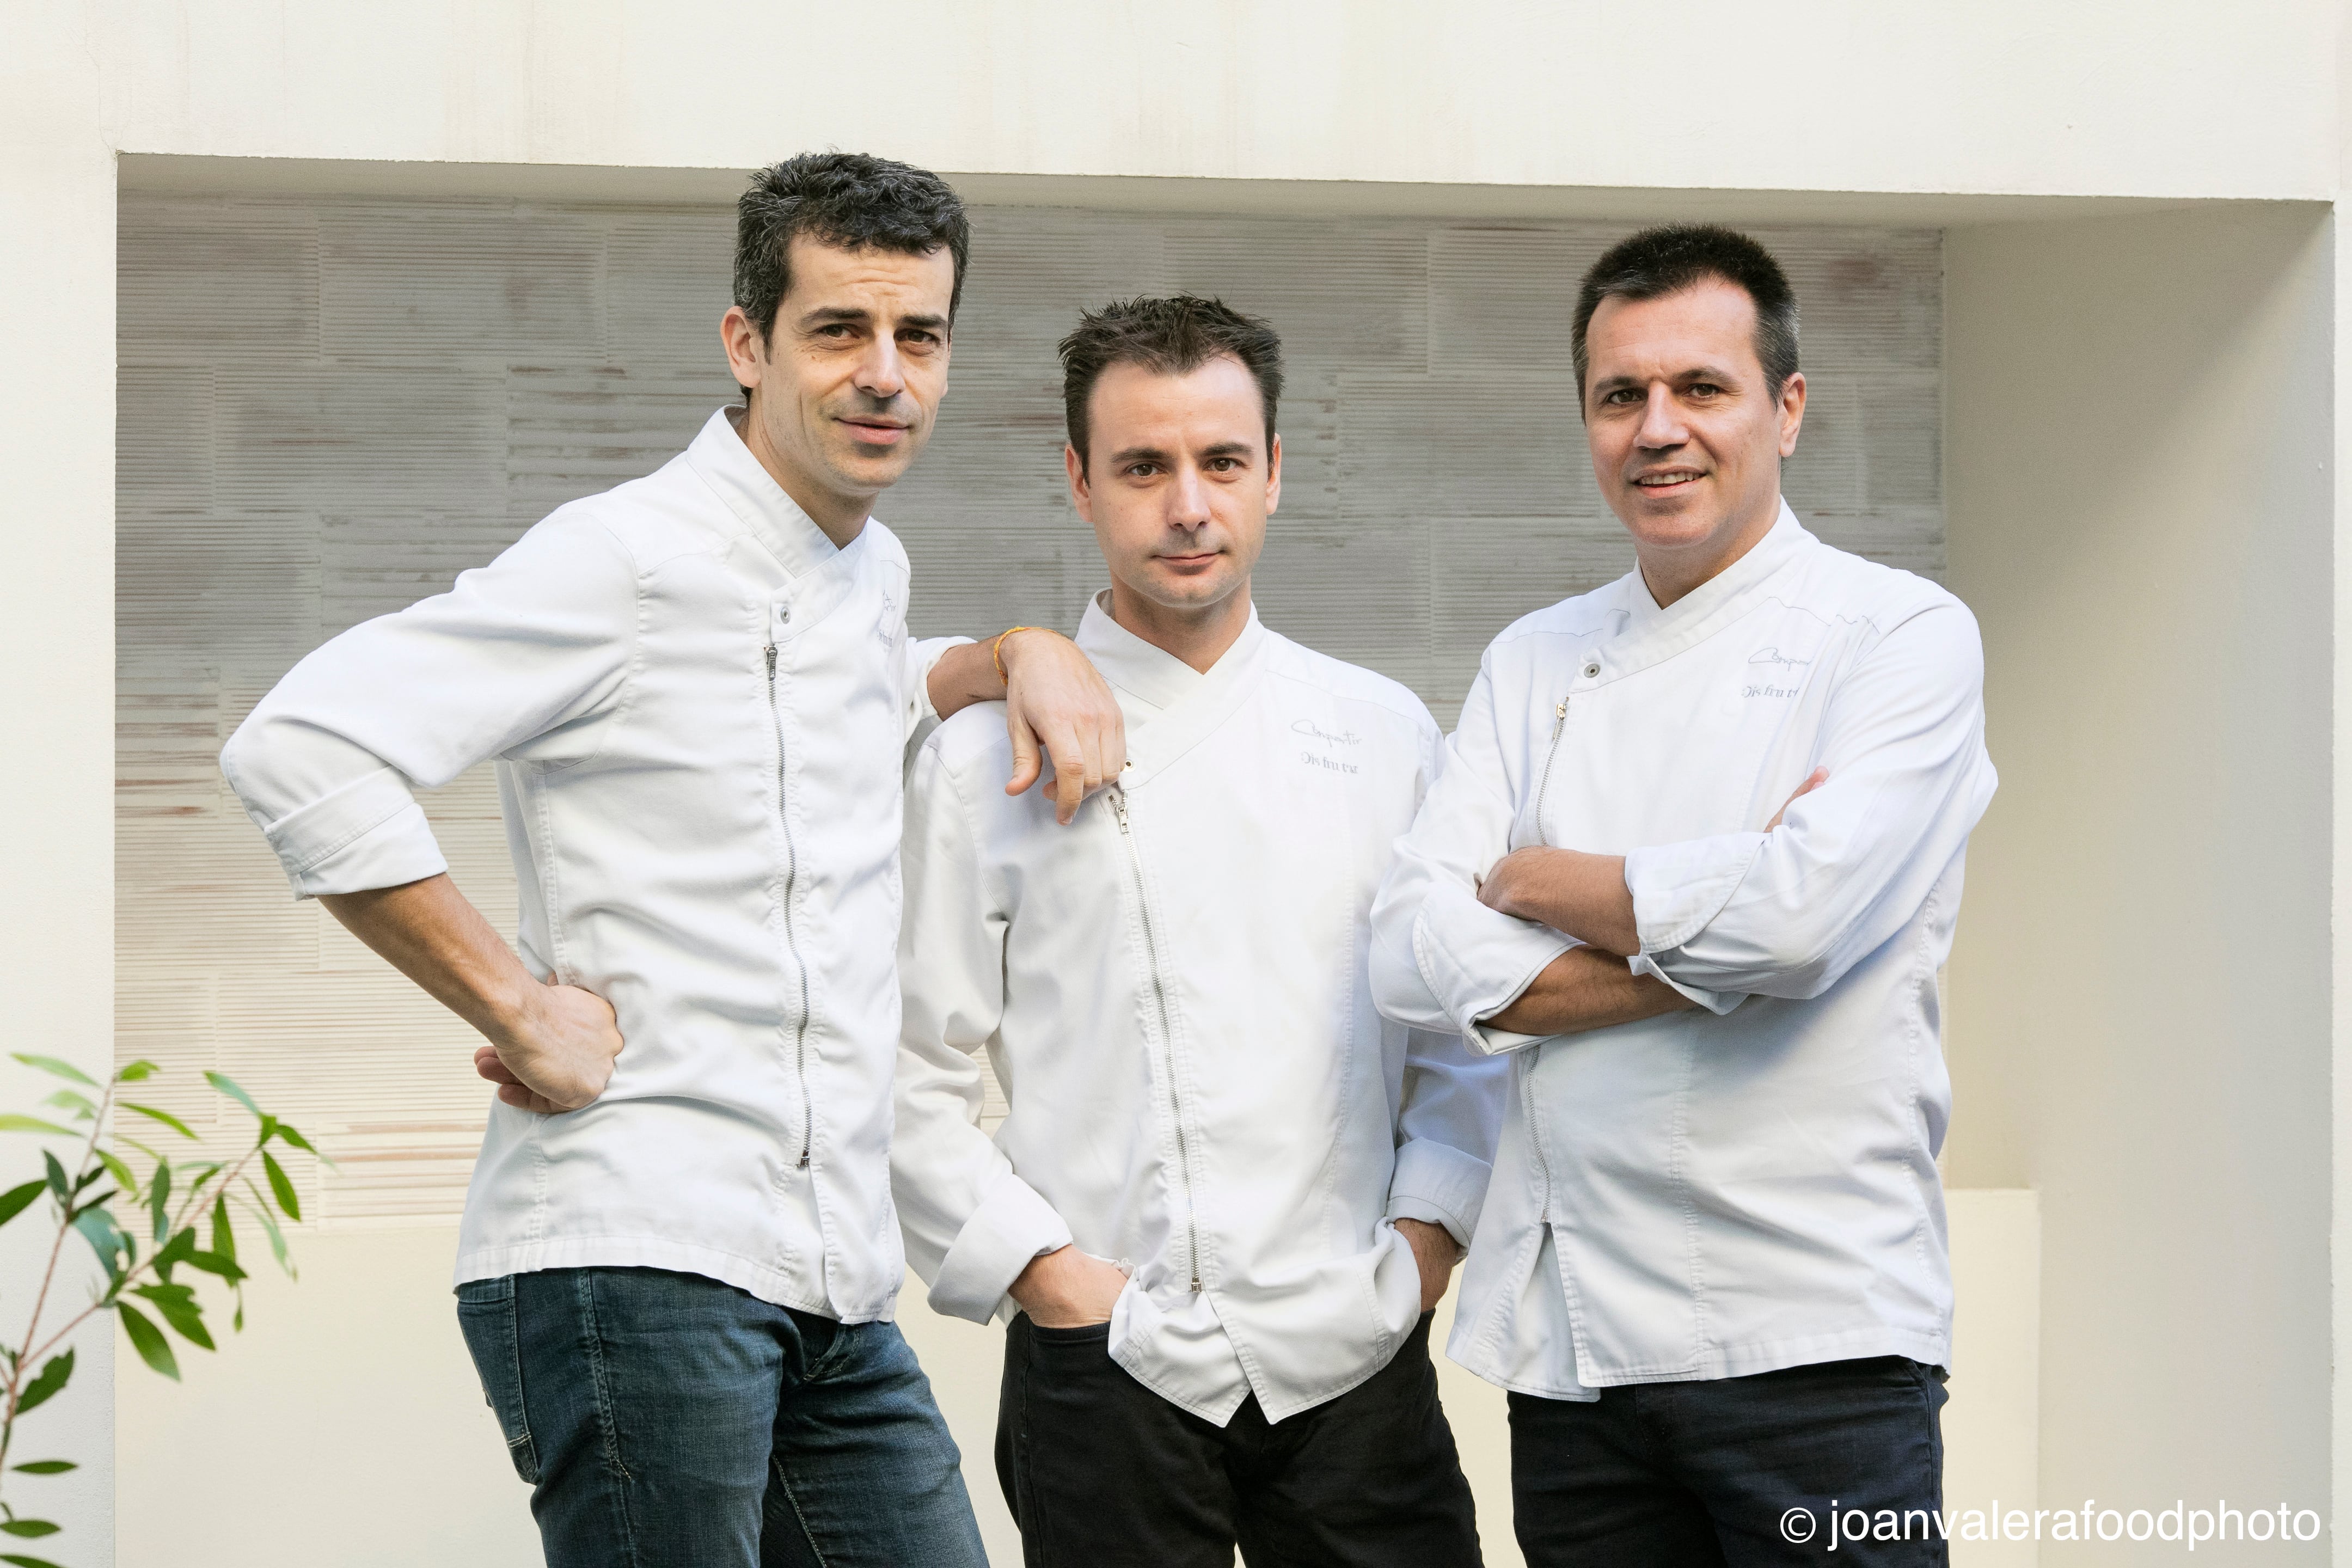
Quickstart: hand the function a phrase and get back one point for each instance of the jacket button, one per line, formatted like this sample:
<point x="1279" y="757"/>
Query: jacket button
<point x="1591" y="670"/>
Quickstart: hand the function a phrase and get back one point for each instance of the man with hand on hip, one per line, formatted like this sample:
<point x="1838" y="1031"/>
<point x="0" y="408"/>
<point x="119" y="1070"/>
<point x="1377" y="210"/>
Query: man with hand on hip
<point x="1712" y="1264"/>
<point x="678" y="1259"/>
<point x="1227" y="1193"/>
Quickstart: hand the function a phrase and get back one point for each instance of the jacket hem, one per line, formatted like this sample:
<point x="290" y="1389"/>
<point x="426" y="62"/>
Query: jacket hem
<point x="767" y="1283"/>
<point x="1730" y="1361"/>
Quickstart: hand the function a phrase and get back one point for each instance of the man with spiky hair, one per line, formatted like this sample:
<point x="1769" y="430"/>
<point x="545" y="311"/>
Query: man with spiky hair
<point x="1694" y="864"/>
<point x="678" y="1258"/>
<point x="1226" y="1194"/>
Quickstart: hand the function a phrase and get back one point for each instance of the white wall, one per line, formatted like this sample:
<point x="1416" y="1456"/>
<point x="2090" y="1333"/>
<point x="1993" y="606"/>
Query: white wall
<point x="57" y="443"/>
<point x="2139" y="425"/>
<point x="2092" y="96"/>
<point x="359" y="1429"/>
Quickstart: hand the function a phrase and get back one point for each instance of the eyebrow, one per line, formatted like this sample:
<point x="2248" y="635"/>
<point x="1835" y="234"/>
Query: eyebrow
<point x="826" y="315"/>
<point x="1696" y="373"/>
<point x="1126" y="455"/>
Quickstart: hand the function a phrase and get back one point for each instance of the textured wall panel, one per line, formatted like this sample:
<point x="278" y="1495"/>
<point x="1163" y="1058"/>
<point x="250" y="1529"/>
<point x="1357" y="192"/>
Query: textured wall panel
<point x="330" y="409"/>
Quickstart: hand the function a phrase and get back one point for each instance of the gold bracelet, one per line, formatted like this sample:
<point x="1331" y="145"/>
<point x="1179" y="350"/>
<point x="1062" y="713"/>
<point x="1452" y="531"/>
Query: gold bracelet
<point x="996" y="650"/>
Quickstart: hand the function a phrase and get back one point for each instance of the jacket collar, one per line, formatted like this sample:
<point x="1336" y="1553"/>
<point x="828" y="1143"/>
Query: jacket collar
<point x="720" y="456"/>
<point x="1185" y="705"/>
<point x="1651" y="632"/>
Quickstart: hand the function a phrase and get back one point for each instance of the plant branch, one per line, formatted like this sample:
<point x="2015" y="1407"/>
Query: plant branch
<point x="40" y="1300"/>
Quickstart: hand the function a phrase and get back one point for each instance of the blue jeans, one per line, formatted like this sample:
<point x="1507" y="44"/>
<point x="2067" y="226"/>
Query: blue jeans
<point x="667" y="1419"/>
<point x="1737" y="1472"/>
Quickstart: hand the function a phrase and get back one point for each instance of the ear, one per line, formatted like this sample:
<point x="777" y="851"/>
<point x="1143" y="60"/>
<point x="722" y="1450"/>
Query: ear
<point x="1274" y="474"/>
<point x="1792" y="412"/>
<point x="747" y="351"/>
<point x="1080" y="495"/>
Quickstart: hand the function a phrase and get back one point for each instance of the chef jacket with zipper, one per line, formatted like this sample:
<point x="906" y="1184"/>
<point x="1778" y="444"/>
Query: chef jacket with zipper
<point x="1174" y="995"/>
<point x="1751" y="1185"/>
<point x="699" y="709"/>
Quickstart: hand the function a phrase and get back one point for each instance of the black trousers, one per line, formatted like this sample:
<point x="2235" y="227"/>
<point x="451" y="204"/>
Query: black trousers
<point x="1101" y="1471"/>
<point x="1737" y="1472"/>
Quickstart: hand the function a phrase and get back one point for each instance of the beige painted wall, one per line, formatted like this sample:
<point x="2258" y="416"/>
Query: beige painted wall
<point x="2139" y="424"/>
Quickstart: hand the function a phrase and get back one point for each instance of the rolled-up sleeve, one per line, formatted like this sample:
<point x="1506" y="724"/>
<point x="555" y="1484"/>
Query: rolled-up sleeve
<point x="922" y="657"/>
<point x="1787" y="912"/>
<point x="970" y="1223"/>
<point x="327" y="764"/>
<point x="1442" y="961"/>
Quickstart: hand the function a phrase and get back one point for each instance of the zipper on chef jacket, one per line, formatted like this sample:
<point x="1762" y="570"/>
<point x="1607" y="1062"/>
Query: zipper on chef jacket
<point x="1558" y="723"/>
<point x="1167" y="1031"/>
<point x="792" y="939"/>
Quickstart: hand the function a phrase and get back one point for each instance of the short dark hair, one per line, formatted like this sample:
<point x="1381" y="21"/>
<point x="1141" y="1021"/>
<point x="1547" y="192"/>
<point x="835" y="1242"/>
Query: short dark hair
<point x="848" y="199"/>
<point x="1173" y="336"/>
<point x="1668" y="260"/>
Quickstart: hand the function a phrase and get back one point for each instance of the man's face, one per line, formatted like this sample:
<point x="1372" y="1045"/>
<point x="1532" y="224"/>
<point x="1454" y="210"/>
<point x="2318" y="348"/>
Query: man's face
<point x="847" y="385"/>
<point x="1180" y="481"/>
<point x="1686" y="438"/>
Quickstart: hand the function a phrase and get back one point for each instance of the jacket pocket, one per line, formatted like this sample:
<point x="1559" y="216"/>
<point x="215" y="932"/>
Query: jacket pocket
<point x="486" y="1315"/>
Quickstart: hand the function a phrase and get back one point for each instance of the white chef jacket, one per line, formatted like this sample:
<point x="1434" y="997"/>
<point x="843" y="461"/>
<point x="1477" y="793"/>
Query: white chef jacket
<point x="1751" y="1186"/>
<point x="1173" y="994"/>
<point x="699" y="709"/>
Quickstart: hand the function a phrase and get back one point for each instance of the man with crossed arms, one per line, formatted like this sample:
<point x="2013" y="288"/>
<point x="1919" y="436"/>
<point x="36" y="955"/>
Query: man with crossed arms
<point x="1227" y="1193"/>
<point x="1711" y="1268"/>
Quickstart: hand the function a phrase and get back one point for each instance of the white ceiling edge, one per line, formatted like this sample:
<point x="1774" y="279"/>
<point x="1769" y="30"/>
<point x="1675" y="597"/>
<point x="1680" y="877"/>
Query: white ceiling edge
<point x="189" y="174"/>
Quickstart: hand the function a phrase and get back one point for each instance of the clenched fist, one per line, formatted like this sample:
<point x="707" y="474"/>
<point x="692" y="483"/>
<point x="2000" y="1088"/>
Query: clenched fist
<point x="559" y="1054"/>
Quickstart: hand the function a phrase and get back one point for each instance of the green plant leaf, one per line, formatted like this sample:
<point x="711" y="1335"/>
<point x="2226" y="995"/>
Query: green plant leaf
<point x="11" y="1123"/>
<point x="56" y="1177"/>
<point x="14" y="1201"/>
<point x="214" y="1263"/>
<point x="135" y="1071"/>
<point x="180" y="1308"/>
<point x="281" y="1186"/>
<point x="270" y="1224"/>
<point x="98" y="1202"/>
<point x="21" y="1560"/>
<point x="116" y="1169"/>
<point x="181" y="1248"/>
<point x="32" y="1527"/>
<point x="129" y="1143"/>
<point x="64" y="1069"/>
<point x="46" y="1467"/>
<point x="159" y="1200"/>
<point x="287" y="1134"/>
<point x="165" y="1117"/>
<point x="227" y="1086"/>
<point x="46" y="1384"/>
<point x="224" y="1237"/>
<point x="148" y="1341"/>
<point x="75" y="1101"/>
<point x="107" y="1239"/>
